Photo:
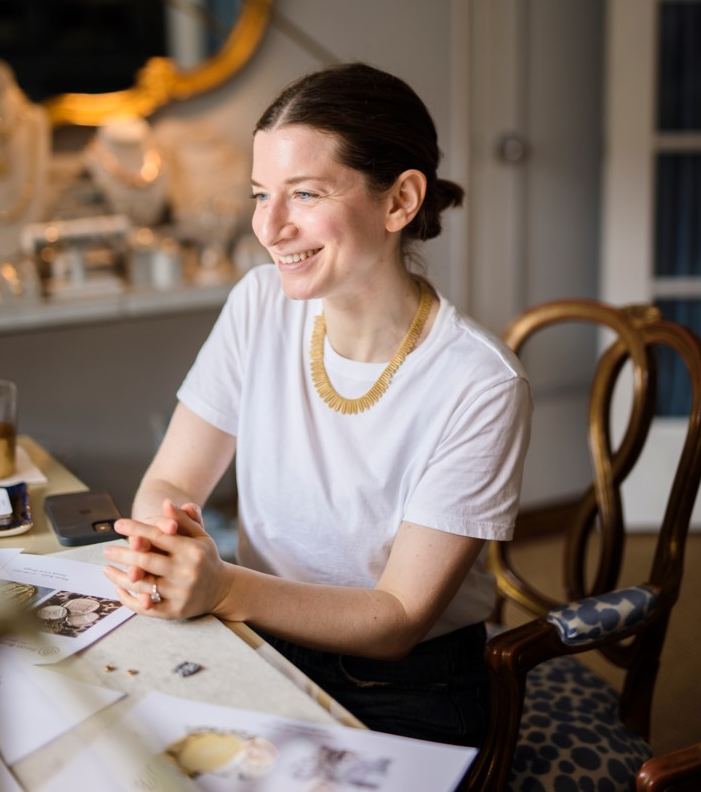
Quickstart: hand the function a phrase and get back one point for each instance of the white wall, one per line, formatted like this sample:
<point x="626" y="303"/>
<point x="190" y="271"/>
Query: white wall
<point x="536" y="76"/>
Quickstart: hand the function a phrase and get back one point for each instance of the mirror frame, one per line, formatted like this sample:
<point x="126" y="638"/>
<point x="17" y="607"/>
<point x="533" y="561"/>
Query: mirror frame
<point x="159" y="81"/>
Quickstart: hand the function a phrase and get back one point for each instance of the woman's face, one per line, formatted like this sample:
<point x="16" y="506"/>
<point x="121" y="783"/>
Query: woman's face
<point x="324" y="230"/>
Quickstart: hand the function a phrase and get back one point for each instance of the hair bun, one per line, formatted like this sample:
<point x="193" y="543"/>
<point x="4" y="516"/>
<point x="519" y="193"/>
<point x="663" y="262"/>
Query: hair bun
<point x="448" y="193"/>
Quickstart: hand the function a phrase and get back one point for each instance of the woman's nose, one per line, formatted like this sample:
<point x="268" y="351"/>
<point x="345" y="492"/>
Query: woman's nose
<point x="272" y="223"/>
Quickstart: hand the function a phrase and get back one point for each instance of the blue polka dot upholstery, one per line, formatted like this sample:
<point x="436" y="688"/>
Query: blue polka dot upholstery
<point x="611" y="613"/>
<point x="571" y="739"/>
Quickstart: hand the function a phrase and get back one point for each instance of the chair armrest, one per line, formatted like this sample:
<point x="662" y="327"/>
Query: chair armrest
<point x="679" y="769"/>
<point x="606" y="615"/>
<point x="509" y="656"/>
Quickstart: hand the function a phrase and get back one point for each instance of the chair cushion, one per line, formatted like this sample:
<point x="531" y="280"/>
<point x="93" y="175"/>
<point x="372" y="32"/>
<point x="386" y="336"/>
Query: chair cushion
<point x="571" y="738"/>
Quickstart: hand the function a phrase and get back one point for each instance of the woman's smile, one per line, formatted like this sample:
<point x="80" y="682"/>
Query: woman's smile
<point x="296" y="258"/>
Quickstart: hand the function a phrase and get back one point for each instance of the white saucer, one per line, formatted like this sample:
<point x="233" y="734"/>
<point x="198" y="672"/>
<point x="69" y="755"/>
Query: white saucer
<point x="18" y="529"/>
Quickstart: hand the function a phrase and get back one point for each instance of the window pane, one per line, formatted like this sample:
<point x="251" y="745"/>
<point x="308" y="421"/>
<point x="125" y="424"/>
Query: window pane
<point x="679" y="76"/>
<point x="678" y="216"/>
<point x="674" y="392"/>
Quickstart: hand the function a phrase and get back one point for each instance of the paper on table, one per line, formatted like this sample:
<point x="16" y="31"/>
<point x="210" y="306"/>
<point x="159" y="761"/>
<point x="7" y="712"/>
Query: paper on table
<point x="75" y="604"/>
<point x="42" y="705"/>
<point x="25" y="471"/>
<point x="6" y="555"/>
<point x="165" y="742"/>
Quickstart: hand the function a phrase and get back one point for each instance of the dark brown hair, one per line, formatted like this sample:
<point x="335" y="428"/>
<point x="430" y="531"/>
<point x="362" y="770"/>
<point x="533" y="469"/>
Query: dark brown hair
<point x="383" y="129"/>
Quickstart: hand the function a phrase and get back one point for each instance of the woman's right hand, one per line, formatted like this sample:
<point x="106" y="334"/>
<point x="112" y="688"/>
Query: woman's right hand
<point x="173" y="552"/>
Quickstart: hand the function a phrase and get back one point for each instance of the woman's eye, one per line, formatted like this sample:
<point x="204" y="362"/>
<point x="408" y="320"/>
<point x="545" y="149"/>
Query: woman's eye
<point x="258" y="197"/>
<point x="304" y="195"/>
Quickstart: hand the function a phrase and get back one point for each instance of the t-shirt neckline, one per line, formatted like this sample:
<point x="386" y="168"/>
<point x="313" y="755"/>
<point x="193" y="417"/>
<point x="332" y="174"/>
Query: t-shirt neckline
<point x="360" y="370"/>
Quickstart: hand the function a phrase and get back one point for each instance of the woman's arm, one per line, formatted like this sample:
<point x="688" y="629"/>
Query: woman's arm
<point x="192" y="458"/>
<point x="423" y="573"/>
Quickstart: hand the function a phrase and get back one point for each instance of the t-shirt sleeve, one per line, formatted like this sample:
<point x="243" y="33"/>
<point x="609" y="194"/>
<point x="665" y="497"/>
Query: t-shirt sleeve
<point x="472" y="483"/>
<point x="212" y="387"/>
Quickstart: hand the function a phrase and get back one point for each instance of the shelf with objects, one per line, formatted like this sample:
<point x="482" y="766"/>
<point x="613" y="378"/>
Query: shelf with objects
<point x="138" y="221"/>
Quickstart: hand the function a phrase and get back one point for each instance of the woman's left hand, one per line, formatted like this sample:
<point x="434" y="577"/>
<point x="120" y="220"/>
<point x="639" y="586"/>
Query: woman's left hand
<point x="172" y="566"/>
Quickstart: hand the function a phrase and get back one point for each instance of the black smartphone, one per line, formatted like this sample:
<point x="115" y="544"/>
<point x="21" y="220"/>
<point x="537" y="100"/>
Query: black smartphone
<point x="80" y="518"/>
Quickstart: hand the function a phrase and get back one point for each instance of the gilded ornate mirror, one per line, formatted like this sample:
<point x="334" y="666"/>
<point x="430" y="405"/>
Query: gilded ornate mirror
<point x="161" y="80"/>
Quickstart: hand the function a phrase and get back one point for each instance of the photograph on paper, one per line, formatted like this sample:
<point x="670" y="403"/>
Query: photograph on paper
<point x="66" y="605"/>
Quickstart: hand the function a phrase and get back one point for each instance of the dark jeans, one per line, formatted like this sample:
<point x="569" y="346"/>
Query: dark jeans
<point x="438" y="692"/>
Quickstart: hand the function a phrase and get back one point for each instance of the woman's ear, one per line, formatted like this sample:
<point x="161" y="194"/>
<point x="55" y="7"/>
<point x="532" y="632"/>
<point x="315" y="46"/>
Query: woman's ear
<point x="406" y="196"/>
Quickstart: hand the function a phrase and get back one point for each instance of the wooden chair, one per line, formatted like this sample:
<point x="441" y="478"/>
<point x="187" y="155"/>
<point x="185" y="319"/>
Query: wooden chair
<point x="554" y="722"/>
<point x="676" y="771"/>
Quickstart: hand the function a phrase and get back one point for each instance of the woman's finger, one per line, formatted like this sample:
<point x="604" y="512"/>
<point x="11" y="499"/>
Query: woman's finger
<point x="194" y="512"/>
<point x="147" y="537"/>
<point x="138" y="602"/>
<point x="135" y="573"/>
<point x="156" y="564"/>
<point x="140" y="543"/>
<point x="141" y="596"/>
<point x="188" y="517"/>
<point x="151" y="596"/>
<point x="137" y="543"/>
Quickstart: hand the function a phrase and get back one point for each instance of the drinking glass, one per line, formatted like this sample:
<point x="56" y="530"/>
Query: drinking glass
<point x="8" y="427"/>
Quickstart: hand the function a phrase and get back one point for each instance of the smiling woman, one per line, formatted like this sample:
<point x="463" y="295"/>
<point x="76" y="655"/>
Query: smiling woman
<point x="80" y="58"/>
<point x="360" y="552"/>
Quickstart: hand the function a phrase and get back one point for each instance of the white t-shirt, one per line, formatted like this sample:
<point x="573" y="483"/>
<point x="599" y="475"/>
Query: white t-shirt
<point x="322" y="494"/>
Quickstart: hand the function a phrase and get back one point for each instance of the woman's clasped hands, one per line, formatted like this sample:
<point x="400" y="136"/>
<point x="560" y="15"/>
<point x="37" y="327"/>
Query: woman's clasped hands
<point x="170" y="567"/>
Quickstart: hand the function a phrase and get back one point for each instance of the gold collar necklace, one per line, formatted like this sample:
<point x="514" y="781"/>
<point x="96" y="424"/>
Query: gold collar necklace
<point x="352" y="406"/>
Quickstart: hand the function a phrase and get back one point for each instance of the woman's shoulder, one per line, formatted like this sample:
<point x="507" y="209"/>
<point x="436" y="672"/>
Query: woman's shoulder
<point x="469" y="339"/>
